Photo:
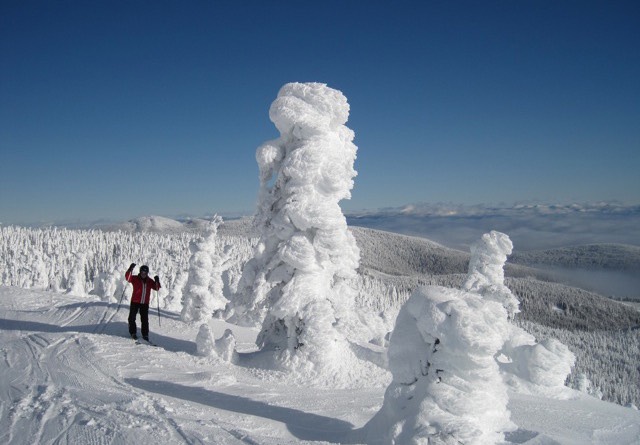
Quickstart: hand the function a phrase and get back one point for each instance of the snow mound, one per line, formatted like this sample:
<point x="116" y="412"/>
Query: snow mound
<point x="446" y="388"/>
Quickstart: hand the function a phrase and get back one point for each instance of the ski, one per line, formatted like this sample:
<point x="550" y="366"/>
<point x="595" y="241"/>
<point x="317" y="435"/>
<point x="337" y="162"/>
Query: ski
<point x="142" y="341"/>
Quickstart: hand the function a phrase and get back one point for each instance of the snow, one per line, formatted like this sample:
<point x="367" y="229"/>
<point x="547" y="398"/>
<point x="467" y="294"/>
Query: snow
<point x="71" y="375"/>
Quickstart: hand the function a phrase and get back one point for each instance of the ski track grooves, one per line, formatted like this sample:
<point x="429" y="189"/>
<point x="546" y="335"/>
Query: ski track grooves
<point x="59" y="388"/>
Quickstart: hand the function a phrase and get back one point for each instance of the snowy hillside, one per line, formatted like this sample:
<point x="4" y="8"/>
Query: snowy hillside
<point x="70" y="375"/>
<point x="589" y="256"/>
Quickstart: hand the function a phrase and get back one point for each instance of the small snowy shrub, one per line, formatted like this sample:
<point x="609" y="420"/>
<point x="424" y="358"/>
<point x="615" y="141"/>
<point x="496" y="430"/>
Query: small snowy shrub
<point x="224" y="348"/>
<point x="205" y="343"/>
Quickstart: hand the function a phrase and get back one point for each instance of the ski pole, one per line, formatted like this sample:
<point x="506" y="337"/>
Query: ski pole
<point x="158" y="299"/>
<point x="121" y="298"/>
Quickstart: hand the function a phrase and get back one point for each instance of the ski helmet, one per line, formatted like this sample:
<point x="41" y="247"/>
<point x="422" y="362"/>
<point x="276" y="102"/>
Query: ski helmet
<point x="144" y="269"/>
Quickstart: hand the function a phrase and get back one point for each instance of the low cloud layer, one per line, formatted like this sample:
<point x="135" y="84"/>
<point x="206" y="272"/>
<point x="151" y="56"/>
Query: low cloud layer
<point x="530" y="227"/>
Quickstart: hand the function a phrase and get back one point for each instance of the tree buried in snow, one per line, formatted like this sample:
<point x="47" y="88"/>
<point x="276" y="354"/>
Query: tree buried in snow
<point x="295" y="284"/>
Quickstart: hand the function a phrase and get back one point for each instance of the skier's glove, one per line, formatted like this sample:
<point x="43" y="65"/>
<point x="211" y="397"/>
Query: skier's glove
<point x="157" y="278"/>
<point x="132" y="266"/>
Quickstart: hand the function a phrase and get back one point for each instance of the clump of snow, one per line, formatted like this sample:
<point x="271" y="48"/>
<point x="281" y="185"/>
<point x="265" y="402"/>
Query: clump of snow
<point x="296" y="285"/>
<point x="486" y="270"/>
<point x="446" y="386"/>
<point x="537" y="368"/>
<point x="224" y="348"/>
<point x="205" y="342"/>
<point x="204" y="288"/>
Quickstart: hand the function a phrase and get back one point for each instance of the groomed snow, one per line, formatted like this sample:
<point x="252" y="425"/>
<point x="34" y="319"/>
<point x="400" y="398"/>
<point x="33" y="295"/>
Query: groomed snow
<point x="70" y="375"/>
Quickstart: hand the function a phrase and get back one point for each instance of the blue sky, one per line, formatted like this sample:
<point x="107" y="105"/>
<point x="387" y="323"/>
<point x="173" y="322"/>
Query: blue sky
<point x="126" y="108"/>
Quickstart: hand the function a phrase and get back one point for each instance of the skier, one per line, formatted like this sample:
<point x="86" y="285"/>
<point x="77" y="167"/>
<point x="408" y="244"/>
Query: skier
<point x="142" y="286"/>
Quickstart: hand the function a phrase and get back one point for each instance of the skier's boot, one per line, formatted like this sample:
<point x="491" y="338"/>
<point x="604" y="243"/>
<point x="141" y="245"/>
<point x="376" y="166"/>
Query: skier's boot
<point x="134" y="336"/>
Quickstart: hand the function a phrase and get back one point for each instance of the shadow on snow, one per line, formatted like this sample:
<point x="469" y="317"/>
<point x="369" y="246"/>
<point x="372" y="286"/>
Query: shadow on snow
<point x="304" y="426"/>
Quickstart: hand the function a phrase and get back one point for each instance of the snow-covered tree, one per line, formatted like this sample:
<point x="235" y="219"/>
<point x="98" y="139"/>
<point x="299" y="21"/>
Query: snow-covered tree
<point x="76" y="281"/>
<point x="486" y="270"/>
<point x="526" y="363"/>
<point x="295" y="285"/>
<point x="447" y="387"/>
<point x="203" y="291"/>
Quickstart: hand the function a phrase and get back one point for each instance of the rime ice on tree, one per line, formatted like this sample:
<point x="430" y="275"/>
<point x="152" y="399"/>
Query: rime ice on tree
<point x="486" y="270"/>
<point x="530" y="366"/>
<point x="295" y="284"/>
<point x="446" y="387"/>
<point x="203" y="291"/>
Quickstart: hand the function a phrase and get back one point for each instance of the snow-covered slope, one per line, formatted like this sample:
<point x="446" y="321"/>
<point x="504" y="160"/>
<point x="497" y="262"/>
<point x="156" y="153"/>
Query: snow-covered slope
<point x="70" y="375"/>
<point x="588" y="256"/>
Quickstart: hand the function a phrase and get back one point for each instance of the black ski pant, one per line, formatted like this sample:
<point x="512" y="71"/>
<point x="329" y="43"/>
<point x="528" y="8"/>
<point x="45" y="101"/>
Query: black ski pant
<point x="144" y="318"/>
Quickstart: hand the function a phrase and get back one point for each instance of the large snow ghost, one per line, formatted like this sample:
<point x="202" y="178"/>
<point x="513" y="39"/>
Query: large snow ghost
<point x="295" y="286"/>
<point x="203" y="291"/>
<point x="486" y="270"/>
<point x="447" y="388"/>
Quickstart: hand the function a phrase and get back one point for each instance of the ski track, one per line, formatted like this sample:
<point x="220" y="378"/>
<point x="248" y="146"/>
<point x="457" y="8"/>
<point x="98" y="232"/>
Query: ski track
<point x="61" y="393"/>
<point x="71" y="376"/>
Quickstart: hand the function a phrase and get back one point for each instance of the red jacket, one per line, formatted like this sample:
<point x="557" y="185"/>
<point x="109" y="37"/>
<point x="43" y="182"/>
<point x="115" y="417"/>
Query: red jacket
<point x="141" y="288"/>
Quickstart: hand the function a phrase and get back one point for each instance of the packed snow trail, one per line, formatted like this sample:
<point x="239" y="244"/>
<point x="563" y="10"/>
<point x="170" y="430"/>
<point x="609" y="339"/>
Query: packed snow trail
<point x="68" y="377"/>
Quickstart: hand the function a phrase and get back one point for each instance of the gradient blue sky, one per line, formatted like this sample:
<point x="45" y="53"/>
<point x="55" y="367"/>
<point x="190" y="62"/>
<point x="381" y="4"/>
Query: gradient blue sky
<point x="116" y="109"/>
